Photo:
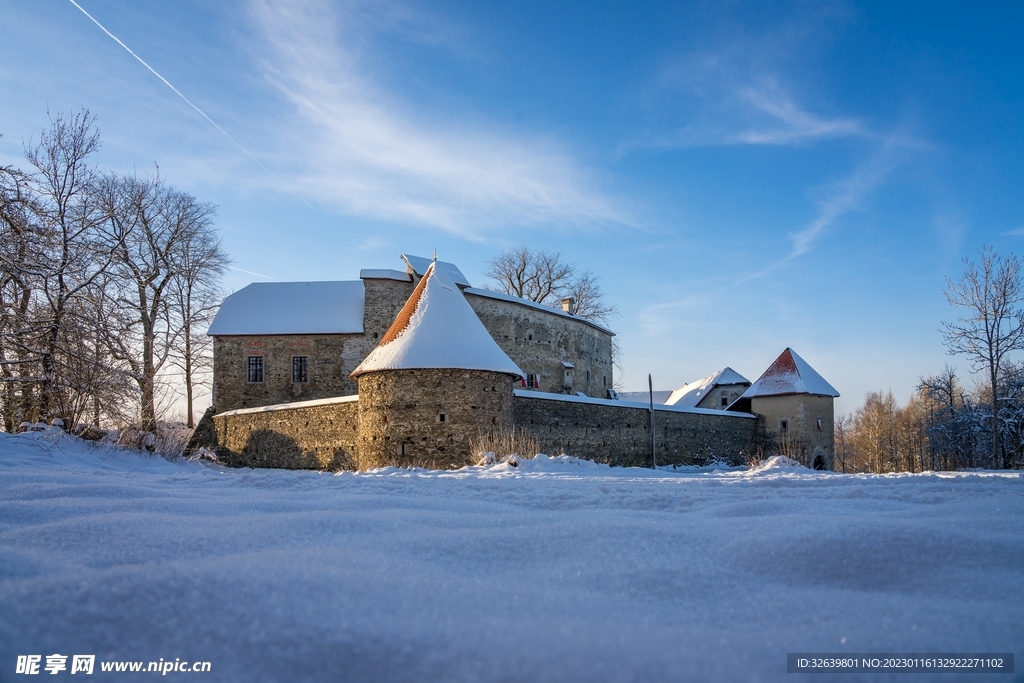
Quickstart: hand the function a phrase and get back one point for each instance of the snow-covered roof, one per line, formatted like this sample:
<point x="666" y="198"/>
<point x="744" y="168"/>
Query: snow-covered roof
<point x="384" y="274"/>
<point x="437" y="328"/>
<point x="660" y="396"/>
<point x="690" y="395"/>
<point x="419" y="266"/>
<point x="489" y="294"/>
<point x="790" y="374"/>
<point x="292" y="308"/>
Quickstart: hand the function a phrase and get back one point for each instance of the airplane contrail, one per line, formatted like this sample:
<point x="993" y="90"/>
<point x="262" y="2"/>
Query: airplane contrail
<point x="243" y="270"/>
<point x="189" y="102"/>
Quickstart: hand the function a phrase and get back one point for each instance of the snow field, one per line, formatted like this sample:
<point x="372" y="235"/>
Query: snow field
<point x="558" y="569"/>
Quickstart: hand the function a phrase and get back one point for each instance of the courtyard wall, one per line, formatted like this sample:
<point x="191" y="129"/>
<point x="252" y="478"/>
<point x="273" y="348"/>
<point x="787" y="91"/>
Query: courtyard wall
<point x="312" y="435"/>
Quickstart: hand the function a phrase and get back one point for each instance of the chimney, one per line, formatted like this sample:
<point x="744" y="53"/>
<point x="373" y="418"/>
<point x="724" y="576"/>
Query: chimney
<point x="569" y="305"/>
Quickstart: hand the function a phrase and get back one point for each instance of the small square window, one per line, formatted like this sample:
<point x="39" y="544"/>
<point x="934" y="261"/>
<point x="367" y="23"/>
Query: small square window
<point x="783" y="425"/>
<point x="254" y="371"/>
<point x="441" y="417"/>
<point x="532" y="381"/>
<point x="725" y="401"/>
<point x="300" y="369"/>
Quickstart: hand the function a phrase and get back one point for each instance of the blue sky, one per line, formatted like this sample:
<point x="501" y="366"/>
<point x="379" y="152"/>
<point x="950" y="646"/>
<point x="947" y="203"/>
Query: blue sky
<point x="742" y="177"/>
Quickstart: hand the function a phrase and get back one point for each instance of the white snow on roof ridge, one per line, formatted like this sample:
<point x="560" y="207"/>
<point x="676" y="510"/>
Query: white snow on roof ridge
<point x="419" y="265"/>
<point x="790" y="374"/>
<point x="384" y="274"/>
<point x="691" y="394"/>
<point x="325" y="307"/>
<point x="442" y="331"/>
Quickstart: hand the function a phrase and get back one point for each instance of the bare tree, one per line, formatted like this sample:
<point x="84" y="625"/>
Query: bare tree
<point x="70" y="258"/>
<point x="195" y="297"/>
<point x="588" y="299"/>
<point x="990" y="291"/>
<point x="18" y="239"/>
<point x="543" y="277"/>
<point x="153" y="231"/>
<point x="842" y="438"/>
<point x="533" y="275"/>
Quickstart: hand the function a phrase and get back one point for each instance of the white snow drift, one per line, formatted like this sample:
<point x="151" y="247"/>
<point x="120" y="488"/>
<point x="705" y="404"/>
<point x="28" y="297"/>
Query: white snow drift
<point x="553" y="570"/>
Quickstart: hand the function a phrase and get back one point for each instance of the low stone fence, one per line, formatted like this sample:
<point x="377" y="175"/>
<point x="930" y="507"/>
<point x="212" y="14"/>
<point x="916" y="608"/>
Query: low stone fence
<point x="316" y="435"/>
<point x="619" y="433"/>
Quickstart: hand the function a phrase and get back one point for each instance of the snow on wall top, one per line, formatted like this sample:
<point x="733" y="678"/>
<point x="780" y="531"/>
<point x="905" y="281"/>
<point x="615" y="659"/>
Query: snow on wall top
<point x="689" y="395"/>
<point x="618" y="403"/>
<point x="292" y="308"/>
<point x="419" y="266"/>
<point x="384" y="274"/>
<point x="437" y="328"/>
<point x="490" y="294"/>
<point x="790" y="374"/>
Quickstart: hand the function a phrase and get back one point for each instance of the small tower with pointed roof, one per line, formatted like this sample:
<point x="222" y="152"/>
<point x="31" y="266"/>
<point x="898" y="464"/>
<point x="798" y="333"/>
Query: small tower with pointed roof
<point x="435" y="381"/>
<point x="797" y="405"/>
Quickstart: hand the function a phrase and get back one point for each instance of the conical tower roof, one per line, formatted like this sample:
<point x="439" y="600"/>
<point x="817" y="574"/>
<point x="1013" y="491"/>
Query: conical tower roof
<point x="790" y="374"/>
<point x="437" y="328"/>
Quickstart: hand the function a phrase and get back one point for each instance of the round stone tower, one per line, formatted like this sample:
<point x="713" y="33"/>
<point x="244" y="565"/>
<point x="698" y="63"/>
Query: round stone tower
<point x="436" y="380"/>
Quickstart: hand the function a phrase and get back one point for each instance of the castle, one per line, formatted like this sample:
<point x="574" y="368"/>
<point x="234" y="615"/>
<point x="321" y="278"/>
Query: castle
<point x="408" y="368"/>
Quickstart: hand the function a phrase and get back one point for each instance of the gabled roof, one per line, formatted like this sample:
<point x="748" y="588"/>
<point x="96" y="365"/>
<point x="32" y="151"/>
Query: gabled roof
<point x="292" y="308"/>
<point x="790" y="374"/>
<point x="437" y="328"/>
<point x="690" y="395"/>
<point x="419" y="265"/>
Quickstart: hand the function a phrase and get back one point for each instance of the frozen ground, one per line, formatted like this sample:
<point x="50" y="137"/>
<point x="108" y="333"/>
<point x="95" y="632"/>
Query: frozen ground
<point x="552" y="571"/>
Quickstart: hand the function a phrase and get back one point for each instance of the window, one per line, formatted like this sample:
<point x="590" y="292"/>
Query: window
<point x="725" y="401"/>
<point x="783" y="425"/>
<point x="441" y="417"/>
<point x="819" y="426"/>
<point x="532" y="381"/>
<point x="300" y="369"/>
<point x="254" y="373"/>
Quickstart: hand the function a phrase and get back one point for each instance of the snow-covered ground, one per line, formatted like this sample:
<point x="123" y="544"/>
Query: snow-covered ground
<point x="556" y="570"/>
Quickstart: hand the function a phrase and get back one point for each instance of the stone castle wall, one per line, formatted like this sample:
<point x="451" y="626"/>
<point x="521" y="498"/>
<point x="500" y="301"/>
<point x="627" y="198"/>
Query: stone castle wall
<point x="313" y="435"/>
<point x="539" y="341"/>
<point x="618" y="434"/>
<point x="802" y="412"/>
<point x="396" y="421"/>
<point x="429" y="418"/>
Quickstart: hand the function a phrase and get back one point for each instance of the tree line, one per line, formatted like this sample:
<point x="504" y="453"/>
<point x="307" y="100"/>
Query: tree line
<point x="107" y="280"/>
<point x="946" y="424"/>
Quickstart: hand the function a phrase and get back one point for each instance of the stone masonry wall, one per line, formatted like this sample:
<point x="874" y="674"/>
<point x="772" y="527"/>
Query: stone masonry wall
<point x="400" y="415"/>
<point x="321" y="436"/>
<point x="619" y="435"/>
<point x="332" y="357"/>
<point x="539" y="341"/>
<point x="802" y="411"/>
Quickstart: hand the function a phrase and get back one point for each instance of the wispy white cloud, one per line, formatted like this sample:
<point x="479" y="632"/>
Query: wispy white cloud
<point x="837" y="200"/>
<point x="370" y="153"/>
<point x="790" y="122"/>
